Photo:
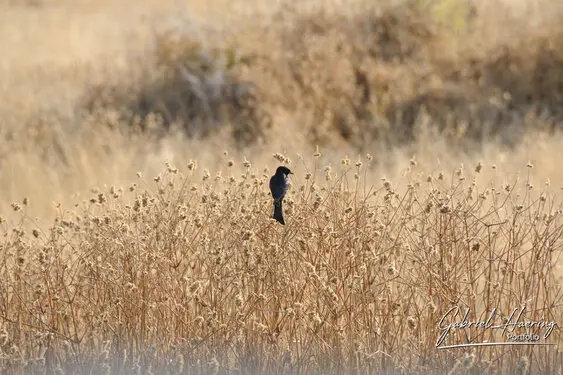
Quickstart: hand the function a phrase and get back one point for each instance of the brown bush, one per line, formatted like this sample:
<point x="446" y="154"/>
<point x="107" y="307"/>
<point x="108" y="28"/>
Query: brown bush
<point x="188" y="86"/>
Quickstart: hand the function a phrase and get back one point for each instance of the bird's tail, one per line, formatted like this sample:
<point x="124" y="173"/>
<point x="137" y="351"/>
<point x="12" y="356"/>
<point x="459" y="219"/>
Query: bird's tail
<point x="278" y="214"/>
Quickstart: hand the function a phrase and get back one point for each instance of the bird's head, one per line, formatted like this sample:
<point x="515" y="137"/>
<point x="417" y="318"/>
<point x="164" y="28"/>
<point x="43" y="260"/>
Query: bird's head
<point x="284" y="170"/>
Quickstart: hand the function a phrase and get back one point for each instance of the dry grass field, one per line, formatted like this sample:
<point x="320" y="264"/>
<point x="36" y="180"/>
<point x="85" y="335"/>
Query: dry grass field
<point x="137" y="139"/>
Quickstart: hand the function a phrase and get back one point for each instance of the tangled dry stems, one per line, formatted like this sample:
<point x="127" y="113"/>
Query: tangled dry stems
<point x="189" y="274"/>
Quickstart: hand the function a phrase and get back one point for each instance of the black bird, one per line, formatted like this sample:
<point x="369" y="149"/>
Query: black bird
<point x="278" y="187"/>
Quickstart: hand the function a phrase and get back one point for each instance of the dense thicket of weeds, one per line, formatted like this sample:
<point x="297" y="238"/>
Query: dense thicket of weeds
<point x="188" y="273"/>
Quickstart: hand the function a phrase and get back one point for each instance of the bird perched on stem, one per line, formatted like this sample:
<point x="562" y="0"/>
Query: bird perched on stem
<point x="278" y="186"/>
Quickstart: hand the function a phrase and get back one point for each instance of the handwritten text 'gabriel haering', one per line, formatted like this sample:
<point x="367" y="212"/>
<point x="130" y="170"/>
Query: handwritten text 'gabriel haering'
<point x="508" y="327"/>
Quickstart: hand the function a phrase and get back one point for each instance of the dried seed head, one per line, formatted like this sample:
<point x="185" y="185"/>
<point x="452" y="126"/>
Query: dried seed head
<point x="3" y="337"/>
<point x="309" y="268"/>
<point x="328" y="176"/>
<point x="239" y="300"/>
<point x="247" y="235"/>
<point x="317" y="319"/>
<point x="231" y="163"/>
<point x="39" y="289"/>
<point x="317" y="153"/>
<point x="391" y="270"/>
<point x="479" y="167"/>
<point x="279" y="157"/>
<point x="206" y="175"/>
<point x="445" y="209"/>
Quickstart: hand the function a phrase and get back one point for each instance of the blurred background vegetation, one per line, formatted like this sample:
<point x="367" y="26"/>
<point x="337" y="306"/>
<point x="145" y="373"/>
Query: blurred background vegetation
<point x="356" y="76"/>
<point x="93" y="91"/>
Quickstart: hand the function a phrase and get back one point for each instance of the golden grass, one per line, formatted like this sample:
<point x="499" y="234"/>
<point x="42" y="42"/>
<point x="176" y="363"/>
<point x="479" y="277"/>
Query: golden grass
<point x="185" y="272"/>
<point x="188" y="272"/>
